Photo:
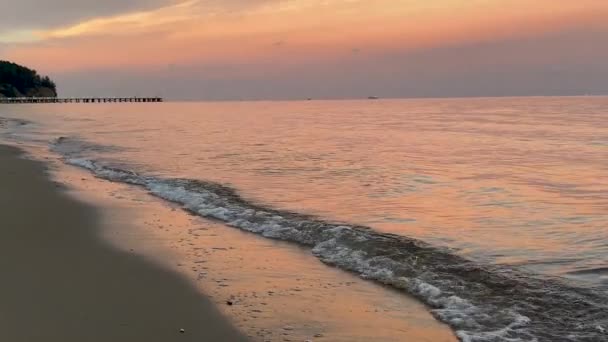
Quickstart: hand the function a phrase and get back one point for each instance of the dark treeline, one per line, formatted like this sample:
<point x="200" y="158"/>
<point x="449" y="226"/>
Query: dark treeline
<point x="17" y="80"/>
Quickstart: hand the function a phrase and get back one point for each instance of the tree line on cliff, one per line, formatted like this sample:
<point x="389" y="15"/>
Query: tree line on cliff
<point x="19" y="81"/>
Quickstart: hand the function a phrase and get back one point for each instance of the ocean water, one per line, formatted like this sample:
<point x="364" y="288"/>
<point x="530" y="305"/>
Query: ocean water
<point x="494" y="212"/>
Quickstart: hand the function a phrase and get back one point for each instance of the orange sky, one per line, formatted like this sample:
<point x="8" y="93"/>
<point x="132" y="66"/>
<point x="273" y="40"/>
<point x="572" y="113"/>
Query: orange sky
<point x="287" y="33"/>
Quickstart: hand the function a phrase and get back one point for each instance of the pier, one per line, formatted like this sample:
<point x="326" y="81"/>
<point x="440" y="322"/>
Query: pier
<point x="15" y="100"/>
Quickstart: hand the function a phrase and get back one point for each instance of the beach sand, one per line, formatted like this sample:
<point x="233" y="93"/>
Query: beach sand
<point x="61" y="282"/>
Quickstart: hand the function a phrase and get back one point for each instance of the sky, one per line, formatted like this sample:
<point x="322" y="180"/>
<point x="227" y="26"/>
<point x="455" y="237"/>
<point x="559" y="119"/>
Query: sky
<point x="294" y="49"/>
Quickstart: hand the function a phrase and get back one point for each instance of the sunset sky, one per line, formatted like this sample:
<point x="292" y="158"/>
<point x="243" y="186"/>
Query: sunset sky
<point x="290" y="49"/>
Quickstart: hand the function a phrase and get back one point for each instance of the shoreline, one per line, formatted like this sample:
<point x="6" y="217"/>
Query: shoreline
<point x="130" y="158"/>
<point x="63" y="282"/>
<point x="255" y="274"/>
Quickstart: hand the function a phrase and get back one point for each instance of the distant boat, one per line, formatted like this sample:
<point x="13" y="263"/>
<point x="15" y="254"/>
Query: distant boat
<point x="373" y="98"/>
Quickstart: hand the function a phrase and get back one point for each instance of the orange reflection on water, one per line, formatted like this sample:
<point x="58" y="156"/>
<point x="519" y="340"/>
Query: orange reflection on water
<point x="518" y="181"/>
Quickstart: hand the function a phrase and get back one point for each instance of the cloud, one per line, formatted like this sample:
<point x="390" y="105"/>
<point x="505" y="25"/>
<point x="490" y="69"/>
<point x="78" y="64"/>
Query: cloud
<point x="131" y="23"/>
<point x="25" y="15"/>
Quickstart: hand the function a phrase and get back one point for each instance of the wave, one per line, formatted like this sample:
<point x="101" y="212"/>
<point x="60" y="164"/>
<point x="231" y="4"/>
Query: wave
<point x="480" y="302"/>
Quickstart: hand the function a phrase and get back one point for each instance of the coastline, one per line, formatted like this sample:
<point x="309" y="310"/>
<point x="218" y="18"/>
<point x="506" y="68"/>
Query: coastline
<point x="254" y="273"/>
<point x="62" y="282"/>
<point x="276" y="289"/>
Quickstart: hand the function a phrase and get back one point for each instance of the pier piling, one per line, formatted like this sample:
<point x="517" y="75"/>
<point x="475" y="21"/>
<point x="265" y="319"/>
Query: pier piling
<point x="20" y="100"/>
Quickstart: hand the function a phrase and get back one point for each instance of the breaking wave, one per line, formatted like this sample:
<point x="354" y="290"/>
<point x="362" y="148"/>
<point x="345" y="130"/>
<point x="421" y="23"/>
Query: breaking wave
<point x="480" y="302"/>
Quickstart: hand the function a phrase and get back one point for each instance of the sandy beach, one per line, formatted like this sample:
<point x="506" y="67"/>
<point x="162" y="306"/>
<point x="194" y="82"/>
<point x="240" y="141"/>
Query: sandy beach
<point x="61" y="282"/>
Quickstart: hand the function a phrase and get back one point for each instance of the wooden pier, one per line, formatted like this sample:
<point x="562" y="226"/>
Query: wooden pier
<point x="14" y="100"/>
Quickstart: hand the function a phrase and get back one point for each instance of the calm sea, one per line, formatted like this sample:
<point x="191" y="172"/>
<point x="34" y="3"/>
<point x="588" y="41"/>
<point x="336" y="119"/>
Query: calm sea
<point x="492" y="211"/>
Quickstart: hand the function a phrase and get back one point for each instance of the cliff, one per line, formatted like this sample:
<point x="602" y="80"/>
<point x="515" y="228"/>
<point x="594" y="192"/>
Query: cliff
<point x="20" y="81"/>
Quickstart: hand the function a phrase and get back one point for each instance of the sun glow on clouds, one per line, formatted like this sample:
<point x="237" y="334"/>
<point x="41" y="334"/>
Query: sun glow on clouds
<point x="131" y="23"/>
<point x="292" y="32"/>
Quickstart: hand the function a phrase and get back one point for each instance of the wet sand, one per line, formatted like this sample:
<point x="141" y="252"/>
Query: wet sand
<point x="62" y="282"/>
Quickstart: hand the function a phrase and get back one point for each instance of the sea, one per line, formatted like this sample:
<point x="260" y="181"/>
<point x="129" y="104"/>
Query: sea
<point x="491" y="212"/>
